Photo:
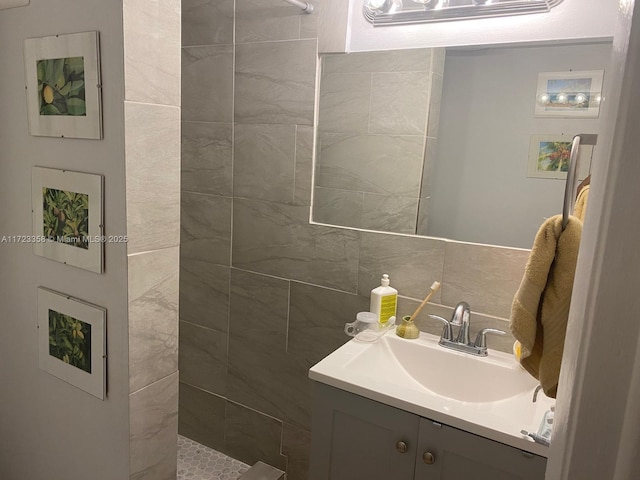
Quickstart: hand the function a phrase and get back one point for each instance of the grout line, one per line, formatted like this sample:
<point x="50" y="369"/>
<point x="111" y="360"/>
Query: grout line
<point x="286" y="340"/>
<point x="233" y="158"/>
<point x="233" y="137"/>
<point x="295" y="163"/>
<point x="370" y="102"/>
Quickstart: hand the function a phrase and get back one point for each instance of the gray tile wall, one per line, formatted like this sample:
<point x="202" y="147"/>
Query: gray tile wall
<point x="152" y="162"/>
<point x="372" y="124"/>
<point x="433" y="124"/>
<point x="264" y="294"/>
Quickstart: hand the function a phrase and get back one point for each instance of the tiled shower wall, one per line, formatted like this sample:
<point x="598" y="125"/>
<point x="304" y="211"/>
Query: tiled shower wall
<point x="374" y="117"/>
<point x="152" y="159"/>
<point x="264" y="294"/>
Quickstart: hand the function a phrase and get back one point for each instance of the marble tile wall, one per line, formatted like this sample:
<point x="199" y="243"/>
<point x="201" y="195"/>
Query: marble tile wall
<point x="264" y="294"/>
<point x="153" y="310"/>
<point x="153" y="424"/>
<point x="152" y="161"/>
<point x="431" y="142"/>
<point x="372" y="122"/>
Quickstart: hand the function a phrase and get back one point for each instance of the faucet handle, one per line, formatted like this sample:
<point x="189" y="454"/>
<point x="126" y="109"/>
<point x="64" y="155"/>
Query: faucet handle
<point x="447" y="331"/>
<point x="481" y="338"/>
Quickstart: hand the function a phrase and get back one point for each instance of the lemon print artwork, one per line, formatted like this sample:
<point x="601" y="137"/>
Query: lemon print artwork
<point x="47" y="94"/>
<point x="61" y="86"/>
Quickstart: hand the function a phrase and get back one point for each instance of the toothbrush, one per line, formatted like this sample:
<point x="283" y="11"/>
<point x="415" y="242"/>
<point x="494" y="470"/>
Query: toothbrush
<point x="434" y="287"/>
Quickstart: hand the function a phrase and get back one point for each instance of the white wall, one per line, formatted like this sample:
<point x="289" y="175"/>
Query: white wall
<point x="49" y="429"/>
<point x="596" y="422"/>
<point x="571" y="20"/>
<point x="486" y="122"/>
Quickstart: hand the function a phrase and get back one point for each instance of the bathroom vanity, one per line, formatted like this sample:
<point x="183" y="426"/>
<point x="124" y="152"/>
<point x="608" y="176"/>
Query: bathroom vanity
<point x="375" y="419"/>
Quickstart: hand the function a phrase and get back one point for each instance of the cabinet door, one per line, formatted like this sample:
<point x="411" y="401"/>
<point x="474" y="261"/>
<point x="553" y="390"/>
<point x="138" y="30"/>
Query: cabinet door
<point x="356" y="438"/>
<point x="446" y="453"/>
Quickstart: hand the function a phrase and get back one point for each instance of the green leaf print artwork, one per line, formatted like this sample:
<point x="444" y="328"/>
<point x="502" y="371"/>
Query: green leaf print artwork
<point x="70" y="340"/>
<point x="61" y="86"/>
<point x="65" y="217"/>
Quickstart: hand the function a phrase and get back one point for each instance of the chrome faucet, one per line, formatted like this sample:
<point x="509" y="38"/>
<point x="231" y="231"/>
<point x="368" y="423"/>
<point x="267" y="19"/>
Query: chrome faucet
<point x="461" y="317"/>
<point x="535" y="393"/>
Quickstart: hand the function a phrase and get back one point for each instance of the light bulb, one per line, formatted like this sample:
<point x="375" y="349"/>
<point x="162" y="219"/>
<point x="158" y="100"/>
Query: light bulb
<point x="376" y="4"/>
<point x="428" y="3"/>
<point x="543" y="98"/>
<point x="580" y="98"/>
<point x="562" y="98"/>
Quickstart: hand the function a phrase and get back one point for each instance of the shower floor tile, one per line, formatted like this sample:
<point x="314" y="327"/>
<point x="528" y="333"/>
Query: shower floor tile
<point x="197" y="462"/>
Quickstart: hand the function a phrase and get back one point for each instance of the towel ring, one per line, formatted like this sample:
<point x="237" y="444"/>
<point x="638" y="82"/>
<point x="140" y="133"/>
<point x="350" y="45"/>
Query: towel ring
<point x="570" y="186"/>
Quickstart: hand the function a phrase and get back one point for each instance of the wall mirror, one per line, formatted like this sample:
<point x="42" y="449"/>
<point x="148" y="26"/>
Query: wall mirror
<point x="456" y="143"/>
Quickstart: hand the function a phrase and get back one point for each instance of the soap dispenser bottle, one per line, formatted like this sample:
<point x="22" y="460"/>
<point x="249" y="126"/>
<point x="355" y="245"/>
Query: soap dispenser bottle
<point x="384" y="301"/>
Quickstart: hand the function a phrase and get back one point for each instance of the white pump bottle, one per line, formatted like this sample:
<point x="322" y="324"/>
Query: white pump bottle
<point x="384" y="301"/>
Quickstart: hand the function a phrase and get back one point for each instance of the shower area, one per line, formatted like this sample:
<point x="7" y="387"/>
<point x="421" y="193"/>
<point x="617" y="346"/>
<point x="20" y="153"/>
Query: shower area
<point x="248" y="88"/>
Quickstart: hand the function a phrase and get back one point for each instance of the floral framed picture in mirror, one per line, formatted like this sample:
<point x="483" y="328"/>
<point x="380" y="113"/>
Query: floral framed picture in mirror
<point x="63" y="85"/>
<point x="549" y="157"/>
<point x="72" y="341"/>
<point x="569" y="94"/>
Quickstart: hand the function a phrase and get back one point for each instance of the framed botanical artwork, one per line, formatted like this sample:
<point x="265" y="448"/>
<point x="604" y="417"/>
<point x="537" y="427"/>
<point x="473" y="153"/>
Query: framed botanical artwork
<point x="569" y="94"/>
<point x="72" y="341"/>
<point x="63" y="85"/>
<point x="67" y="217"/>
<point x="549" y="157"/>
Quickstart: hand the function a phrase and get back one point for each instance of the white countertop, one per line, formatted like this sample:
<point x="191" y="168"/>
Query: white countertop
<point x="372" y="371"/>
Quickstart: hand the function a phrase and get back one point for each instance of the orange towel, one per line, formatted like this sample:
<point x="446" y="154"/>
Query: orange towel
<point x="580" y="209"/>
<point x="540" y="307"/>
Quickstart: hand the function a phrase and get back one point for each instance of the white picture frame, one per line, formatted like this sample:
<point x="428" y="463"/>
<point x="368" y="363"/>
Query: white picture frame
<point x="569" y="94"/>
<point x="543" y="147"/>
<point x="68" y="217"/>
<point x="72" y="341"/>
<point x="63" y="86"/>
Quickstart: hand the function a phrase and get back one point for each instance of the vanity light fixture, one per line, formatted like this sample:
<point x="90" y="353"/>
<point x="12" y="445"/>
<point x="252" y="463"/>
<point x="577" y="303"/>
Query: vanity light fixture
<point x="428" y="3"/>
<point x="573" y="99"/>
<point x="399" y="12"/>
<point x="387" y="6"/>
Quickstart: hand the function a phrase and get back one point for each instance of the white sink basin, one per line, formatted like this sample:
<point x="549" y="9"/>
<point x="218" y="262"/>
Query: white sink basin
<point x="489" y="396"/>
<point x="457" y="375"/>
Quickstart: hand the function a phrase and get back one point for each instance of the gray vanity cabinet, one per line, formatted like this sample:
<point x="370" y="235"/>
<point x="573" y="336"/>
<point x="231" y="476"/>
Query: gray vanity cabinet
<point x="446" y="453"/>
<point x="354" y="438"/>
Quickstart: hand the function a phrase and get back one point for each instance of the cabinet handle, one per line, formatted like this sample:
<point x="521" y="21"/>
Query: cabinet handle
<point x="401" y="447"/>
<point x="428" y="458"/>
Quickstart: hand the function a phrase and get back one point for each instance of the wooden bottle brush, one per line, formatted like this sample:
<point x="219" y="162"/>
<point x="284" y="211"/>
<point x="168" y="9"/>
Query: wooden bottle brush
<point x="408" y="329"/>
